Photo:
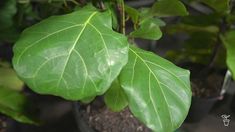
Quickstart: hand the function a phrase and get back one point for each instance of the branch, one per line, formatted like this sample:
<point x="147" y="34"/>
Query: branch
<point x="121" y="10"/>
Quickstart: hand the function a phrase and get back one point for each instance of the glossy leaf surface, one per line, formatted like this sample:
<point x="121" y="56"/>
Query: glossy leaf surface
<point x="14" y="104"/>
<point x="115" y="98"/>
<point x="74" y="56"/>
<point x="229" y="42"/>
<point x="158" y="91"/>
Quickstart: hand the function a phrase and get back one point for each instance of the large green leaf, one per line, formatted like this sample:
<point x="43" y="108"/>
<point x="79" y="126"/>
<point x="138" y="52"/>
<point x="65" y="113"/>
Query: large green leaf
<point x="158" y="91"/>
<point x="229" y="42"/>
<point x="166" y="8"/>
<point x="74" y="56"/>
<point x="15" y="105"/>
<point x="115" y="98"/>
<point x="149" y="29"/>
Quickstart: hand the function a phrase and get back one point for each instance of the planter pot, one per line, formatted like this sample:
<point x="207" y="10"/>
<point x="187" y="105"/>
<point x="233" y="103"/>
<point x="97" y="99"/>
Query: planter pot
<point x="232" y="106"/>
<point x="199" y="108"/>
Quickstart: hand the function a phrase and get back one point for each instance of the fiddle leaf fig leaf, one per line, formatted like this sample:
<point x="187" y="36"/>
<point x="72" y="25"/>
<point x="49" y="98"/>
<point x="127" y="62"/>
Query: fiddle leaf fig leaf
<point x="165" y="8"/>
<point x="15" y="105"/>
<point x="132" y="13"/>
<point x="229" y="42"/>
<point x="115" y="98"/>
<point x="158" y="92"/>
<point x="74" y="56"/>
<point x="149" y="29"/>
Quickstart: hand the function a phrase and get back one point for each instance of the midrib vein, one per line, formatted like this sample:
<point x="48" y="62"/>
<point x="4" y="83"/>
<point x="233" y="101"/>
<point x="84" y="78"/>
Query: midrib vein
<point x="29" y="46"/>
<point x="158" y="82"/>
<point x="73" y="46"/>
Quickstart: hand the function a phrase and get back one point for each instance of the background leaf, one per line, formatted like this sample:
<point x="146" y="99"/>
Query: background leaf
<point x="221" y="6"/>
<point x="149" y="29"/>
<point x="132" y="13"/>
<point x="115" y="98"/>
<point x="7" y="11"/>
<point x="9" y="79"/>
<point x="229" y="42"/>
<point x="74" y="56"/>
<point x="158" y="91"/>
<point x="15" y="105"/>
<point x="165" y="8"/>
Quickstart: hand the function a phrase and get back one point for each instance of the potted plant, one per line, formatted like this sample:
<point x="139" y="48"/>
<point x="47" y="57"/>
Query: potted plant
<point x="209" y="30"/>
<point x="85" y="53"/>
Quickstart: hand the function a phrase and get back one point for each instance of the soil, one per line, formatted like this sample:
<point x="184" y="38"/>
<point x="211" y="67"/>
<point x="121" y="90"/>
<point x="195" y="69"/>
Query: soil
<point x="204" y="85"/>
<point x="3" y="123"/>
<point x="103" y="120"/>
<point x="207" y="87"/>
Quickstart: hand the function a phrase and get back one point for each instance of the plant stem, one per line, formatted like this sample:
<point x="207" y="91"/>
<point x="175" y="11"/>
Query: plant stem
<point x="214" y="54"/>
<point x="81" y="124"/>
<point x="121" y="10"/>
<point x="222" y="29"/>
<point x="101" y="4"/>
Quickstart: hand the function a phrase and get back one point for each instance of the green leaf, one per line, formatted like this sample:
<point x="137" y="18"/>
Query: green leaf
<point x="112" y="8"/>
<point x="148" y="29"/>
<point x="9" y="79"/>
<point x="15" y="105"/>
<point x="202" y="20"/>
<point x="74" y="56"/>
<point x="200" y="40"/>
<point x="158" y="91"/>
<point x="229" y="42"/>
<point x="221" y="6"/>
<point x="9" y="35"/>
<point x="132" y="13"/>
<point x="144" y="13"/>
<point x="165" y="8"/>
<point x="87" y="100"/>
<point x="7" y="11"/>
<point x="191" y="28"/>
<point x="115" y="98"/>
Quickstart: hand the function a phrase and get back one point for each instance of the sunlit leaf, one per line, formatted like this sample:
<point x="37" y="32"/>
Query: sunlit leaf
<point x="158" y="91"/>
<point x="74" y="56"/>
